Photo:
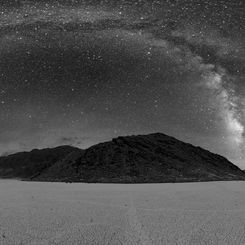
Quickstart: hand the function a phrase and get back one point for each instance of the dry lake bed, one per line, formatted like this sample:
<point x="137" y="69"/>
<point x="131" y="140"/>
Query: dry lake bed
<point x="66" y="214"/>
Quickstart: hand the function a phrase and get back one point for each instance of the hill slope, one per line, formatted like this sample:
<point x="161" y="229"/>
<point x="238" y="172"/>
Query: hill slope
<point x="29" y="164"/>
<point x="144" y="158"/>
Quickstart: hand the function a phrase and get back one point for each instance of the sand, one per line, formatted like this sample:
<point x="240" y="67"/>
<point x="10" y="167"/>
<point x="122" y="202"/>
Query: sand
<point x="59" y="213"/>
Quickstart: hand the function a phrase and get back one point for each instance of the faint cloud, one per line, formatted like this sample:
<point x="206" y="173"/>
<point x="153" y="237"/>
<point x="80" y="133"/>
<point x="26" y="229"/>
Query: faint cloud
<point x="72" y="140"/>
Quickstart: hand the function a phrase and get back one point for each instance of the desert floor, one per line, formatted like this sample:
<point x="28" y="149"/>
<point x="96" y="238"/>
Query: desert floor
<point x="59" y="213"/>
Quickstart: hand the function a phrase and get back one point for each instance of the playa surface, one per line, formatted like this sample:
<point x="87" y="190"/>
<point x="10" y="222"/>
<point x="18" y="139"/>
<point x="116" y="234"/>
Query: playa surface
<point x="59" y="213"/>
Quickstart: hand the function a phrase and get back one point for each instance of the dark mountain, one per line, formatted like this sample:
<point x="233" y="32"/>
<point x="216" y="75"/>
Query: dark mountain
<point x="138" y="159"/>
<point x="66" y="169"/>
<point x="29" y="164"/>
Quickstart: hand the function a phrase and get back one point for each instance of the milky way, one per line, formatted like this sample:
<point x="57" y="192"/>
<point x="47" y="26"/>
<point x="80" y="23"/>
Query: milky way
<point x="82" y="72"/>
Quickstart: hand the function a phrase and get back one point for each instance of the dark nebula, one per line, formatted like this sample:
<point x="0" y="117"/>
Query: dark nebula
<point x="81" y="72"/>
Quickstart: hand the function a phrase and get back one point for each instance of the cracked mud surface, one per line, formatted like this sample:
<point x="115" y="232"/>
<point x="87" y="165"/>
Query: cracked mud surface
<point x="59" y="213"/>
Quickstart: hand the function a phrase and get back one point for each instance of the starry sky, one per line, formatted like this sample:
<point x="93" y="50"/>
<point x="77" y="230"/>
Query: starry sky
<point x="80" y="72"/>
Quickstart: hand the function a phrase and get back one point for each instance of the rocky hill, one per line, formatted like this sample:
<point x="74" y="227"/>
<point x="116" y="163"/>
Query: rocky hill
<point x="131" y="159"/>
<point x="142" y="159"/>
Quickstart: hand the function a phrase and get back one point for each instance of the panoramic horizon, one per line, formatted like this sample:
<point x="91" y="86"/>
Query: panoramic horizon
<point x="138" y="109"/>
<point x="99" y="143"/>
<point x="83" y="72"/>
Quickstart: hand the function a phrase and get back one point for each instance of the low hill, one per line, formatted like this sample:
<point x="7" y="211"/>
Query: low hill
<point x="142" y="159"/>
<point x="29" y="164"/>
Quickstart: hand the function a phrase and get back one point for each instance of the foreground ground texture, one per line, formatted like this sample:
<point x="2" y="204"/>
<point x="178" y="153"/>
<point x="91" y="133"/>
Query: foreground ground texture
<point x="59" y="213"/>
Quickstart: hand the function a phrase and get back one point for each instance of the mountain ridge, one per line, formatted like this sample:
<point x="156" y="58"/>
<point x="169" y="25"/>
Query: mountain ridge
<point x="152" y="158"/>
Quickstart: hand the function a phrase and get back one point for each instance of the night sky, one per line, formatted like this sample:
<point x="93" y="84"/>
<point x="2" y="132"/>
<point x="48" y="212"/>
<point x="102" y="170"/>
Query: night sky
<point x="83" y="72"/>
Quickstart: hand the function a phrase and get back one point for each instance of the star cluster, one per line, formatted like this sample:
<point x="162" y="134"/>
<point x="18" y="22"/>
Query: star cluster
<point x="81" y="72"/>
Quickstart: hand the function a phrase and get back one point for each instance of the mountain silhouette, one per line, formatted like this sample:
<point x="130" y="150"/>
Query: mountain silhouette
<point x="28" y="164"/>
<point x="153" y="158"/>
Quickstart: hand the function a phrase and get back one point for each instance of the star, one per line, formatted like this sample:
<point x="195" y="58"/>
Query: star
<point x="96" y="69"/>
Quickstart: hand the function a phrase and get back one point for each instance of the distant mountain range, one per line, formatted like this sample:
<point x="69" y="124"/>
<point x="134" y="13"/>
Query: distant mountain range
<point x="153" y="158"/>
